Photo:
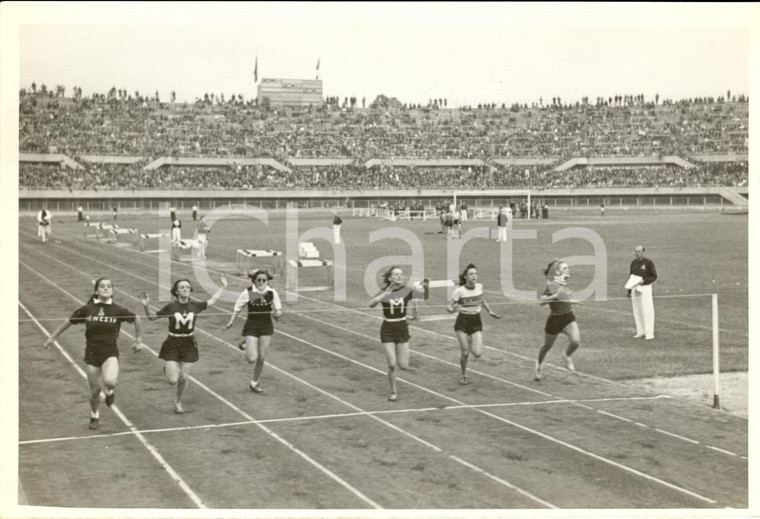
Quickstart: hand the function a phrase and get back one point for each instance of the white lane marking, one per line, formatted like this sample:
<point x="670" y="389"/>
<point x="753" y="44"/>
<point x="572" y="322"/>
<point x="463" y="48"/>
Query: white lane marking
<point x="526" y="429"/>
<point x="526" y="388"/>
<point x="271" y="433"/>
<point x="624" y="467"/>
<point x="323" y="417"/>
<point x="154" y="452"/>
<point x="524" y="492"/>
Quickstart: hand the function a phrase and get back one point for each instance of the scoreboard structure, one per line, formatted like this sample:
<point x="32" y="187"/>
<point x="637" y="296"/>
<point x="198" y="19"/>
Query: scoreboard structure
<point x="291" y="92"/>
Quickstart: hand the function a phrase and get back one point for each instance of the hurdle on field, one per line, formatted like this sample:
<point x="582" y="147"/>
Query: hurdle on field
<point x="245" y="258"/>
<point x="116" y="231"/>
<point x="307" y="250"/>
<point x="449" y="285"/>
<point x="142" y="242"/>
<point x="293" y="265"/>
<point x="194" y="246"/>
<point x="93" y="230"/>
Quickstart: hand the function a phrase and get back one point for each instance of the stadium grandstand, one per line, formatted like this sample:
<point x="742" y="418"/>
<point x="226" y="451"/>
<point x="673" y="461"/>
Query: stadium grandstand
<point x="122" y="141"/>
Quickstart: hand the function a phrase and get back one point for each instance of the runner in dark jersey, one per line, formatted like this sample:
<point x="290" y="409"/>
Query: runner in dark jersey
<point x="561" y="319"/>
<point x="180" y="349"/>
<point x="262" y="303"/>
<point x="102" y="319"/>
<point x="396" y="298"/>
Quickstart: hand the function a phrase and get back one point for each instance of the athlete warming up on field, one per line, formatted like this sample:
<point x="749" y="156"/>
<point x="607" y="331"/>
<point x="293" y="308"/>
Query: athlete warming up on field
<point x="180" y="349"/>
<point x="468" y="296"/>
<point x="262" y="303"/>
<point x="396" y="299"/>
<point x="102" y="319"/>
<point x="561" y="318"/>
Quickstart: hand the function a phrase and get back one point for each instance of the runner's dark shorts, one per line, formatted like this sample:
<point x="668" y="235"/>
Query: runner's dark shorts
<point x="179" y="349"/>
<point x="258" y="327"/>
<point x="395" y="331"/>
<point x="468" y="323"/>
<point x="97" y="355"/>
<point x="556" y="323"/>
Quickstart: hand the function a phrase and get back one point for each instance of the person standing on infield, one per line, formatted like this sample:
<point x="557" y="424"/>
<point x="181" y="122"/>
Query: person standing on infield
<point x="263" y="303"/>
<point x="44" y="224"/>
<point x="201" y="234"/>
<point x="396" y="298"/>
<point x="180" y="349"/>
<point x="561" y="318"/>
<point x="102" y="319"/>
<point x="337" y="222"/>
<point x="641" y="295"/>
<point x="501" y="223"/>
<point x="468" y="296"/>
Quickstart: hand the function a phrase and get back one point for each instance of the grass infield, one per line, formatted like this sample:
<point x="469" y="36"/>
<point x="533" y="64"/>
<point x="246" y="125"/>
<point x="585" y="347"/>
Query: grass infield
<point x="323" y="434"/>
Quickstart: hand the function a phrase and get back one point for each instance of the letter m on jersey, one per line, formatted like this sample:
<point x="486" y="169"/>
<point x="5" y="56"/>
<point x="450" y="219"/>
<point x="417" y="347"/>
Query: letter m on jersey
<point x="184" y="322"/>
<point x="397" y="303"/>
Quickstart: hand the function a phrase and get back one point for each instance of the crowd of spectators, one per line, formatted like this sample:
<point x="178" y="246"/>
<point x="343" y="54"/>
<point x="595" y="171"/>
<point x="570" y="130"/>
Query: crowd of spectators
<point x="121" y="123"/>
<point x="127" y="177"/>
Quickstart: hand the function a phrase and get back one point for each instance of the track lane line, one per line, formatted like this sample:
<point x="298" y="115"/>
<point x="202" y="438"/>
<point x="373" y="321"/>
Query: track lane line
<point x="270" y="432"/>
<point x="527" y="388"/>
<point x="151" y="449"/>
<point x="575" y="402"/>
<point x="310" y="418"/>
<point x="693" y="494"/>
<point x="388" y="424"/>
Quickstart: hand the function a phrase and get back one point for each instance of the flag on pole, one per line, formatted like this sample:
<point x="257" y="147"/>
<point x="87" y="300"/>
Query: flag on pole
<point x="318" y="67"/>
<point x="256" y="70"/>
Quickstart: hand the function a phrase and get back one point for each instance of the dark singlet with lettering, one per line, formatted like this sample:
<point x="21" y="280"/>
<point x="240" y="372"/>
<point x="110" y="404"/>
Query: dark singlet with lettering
<point x="259" y="307"/>
<point x="182" y="315"/>
<point x="102" y="324"/>
<point x="180" y="345"/>
<point x="396" y="303"/>
<point x="395" y="329"/>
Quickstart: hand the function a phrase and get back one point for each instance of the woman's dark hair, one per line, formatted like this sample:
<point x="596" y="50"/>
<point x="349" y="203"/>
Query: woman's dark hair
<point x="463" y="275"/>
<point x="176" y="284"/>
<point x="95" y="287"/>
<point x="551" y="269"/>
<point x="387" y="275"/>
<point x="252" y="275"/>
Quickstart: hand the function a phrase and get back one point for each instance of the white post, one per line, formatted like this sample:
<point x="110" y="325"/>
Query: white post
<point x="716" y="352"/>
<point x="528" y="205"/>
